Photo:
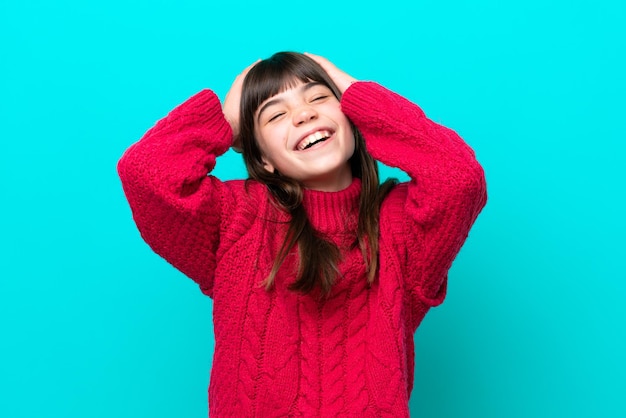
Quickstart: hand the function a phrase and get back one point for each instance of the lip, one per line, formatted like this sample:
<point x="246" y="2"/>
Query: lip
<point x="311" y="131"/>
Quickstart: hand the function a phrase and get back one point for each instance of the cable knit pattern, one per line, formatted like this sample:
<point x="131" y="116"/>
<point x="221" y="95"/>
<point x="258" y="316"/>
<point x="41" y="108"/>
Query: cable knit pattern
<point x="279" y="353"/>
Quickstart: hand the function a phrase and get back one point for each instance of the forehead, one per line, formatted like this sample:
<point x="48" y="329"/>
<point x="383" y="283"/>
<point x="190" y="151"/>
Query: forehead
<point x="264" y="87"/>
<point x="294" y="87"/>
<point x="298" y="89"/>
<point x="268" y="82"/>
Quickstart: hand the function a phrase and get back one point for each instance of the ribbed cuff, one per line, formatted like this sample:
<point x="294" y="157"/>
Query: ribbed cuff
<point x="205" y="110"/>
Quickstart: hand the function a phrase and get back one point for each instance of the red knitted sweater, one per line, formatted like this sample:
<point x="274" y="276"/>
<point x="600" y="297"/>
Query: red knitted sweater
<point x="277" y="352"/>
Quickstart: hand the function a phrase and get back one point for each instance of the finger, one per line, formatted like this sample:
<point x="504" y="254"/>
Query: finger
<point x="313" y="56"/>
<point x="341" y="78"/>
<point x="236" y="86"/>
<point x="248" y="68"/>
<point x="323" y="62"/>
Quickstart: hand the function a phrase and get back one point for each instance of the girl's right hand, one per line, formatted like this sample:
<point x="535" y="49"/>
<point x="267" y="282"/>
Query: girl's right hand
<point x="231" y="105"/>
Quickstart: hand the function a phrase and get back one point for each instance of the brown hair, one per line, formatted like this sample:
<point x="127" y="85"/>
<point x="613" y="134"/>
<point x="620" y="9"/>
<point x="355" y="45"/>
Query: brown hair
<point x="318" y="257"/>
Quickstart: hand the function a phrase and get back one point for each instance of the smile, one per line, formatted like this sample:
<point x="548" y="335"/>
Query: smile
<point x="313" y="138"/>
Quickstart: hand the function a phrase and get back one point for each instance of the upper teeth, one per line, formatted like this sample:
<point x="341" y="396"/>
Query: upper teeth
<point x="314" y="137"/>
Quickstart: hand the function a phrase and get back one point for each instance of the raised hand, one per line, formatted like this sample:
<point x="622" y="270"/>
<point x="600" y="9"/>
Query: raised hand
<point x="341" y="79"/>
<point x="231" y="105"/>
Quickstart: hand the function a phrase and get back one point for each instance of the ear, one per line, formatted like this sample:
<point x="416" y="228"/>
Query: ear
<point x="268" y="165"/>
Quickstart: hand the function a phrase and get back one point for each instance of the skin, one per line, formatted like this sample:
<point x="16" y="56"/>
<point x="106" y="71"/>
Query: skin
<point x="230" y="108"/>
<point x="282" y="121"/>
<point x="286" y="119"/>
<point x="340" y="78"/>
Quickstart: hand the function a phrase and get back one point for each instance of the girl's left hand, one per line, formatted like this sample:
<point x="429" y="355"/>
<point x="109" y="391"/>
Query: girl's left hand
<point x="341" y="79"/>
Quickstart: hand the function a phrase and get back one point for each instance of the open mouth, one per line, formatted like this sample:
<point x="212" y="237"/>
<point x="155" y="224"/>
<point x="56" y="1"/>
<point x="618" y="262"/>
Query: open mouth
<point x="313" y="139"/>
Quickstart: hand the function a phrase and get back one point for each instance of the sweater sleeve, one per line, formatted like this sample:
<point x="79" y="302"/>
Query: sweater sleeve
<point x="177" y="207"/>
<point x="447" y="190"/>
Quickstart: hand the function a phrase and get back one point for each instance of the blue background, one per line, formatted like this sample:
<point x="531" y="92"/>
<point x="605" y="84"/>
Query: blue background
<point x="93" y="324"/>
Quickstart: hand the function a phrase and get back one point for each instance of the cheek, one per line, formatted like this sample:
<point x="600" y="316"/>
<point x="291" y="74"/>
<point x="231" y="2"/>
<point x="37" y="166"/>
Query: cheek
<point x="353" y="146"/>
<point x="269" y="141"/>
<point x="261" y="136"/>
<point x="274" y="137"/>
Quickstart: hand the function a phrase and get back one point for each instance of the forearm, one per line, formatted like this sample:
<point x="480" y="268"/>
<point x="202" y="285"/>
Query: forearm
<point x="397" y="133"/>
<point x="175" y="205"/>
<point x="447" y="189"/>
<point x="176" y="154"/>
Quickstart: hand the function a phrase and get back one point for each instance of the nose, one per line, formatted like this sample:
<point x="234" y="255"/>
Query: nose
<point x="303" y="115"/>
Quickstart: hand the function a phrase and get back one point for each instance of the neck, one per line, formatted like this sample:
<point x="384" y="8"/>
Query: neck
<point x="331" y="182"/>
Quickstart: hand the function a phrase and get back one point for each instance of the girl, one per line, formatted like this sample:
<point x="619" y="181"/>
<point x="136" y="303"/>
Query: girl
<point x="319" y="277"/>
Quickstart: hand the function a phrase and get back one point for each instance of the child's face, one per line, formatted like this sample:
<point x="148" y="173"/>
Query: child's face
<point x="303" y="134"/>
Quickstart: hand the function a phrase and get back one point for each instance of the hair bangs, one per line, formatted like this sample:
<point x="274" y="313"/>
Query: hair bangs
<point x="318" y="258"/>
<point x="279" y="73"/>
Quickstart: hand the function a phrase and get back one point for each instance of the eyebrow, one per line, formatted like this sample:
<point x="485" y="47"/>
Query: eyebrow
<point x="269" y="103"/>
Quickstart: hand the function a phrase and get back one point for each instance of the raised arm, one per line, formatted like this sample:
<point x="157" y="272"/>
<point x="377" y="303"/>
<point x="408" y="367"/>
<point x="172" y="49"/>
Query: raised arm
<point x="179" y="209"/>
<point x="433" y="213"/>
<point x="447" y="189"/>
<point x="176" y="206"/>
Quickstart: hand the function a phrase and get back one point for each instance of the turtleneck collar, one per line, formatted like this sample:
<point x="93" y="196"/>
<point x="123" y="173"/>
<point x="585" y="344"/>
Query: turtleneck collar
<point x="332" y="212"/>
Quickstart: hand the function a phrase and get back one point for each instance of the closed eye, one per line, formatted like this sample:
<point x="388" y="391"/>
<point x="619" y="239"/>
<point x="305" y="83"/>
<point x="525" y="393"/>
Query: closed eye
<point x="274" y="117"/>
<point x="318" y="98"/>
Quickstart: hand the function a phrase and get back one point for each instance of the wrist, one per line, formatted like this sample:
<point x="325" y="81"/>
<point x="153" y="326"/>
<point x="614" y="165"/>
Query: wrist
<point x="345" y="84"/>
